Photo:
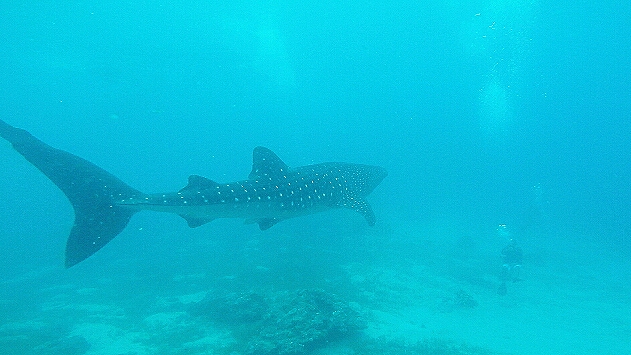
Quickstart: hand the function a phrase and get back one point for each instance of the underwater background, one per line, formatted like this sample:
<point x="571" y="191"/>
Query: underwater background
<point x="496" y="120"/>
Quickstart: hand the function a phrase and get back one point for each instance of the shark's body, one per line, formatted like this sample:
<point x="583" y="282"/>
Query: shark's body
<point x="103" y="204"/>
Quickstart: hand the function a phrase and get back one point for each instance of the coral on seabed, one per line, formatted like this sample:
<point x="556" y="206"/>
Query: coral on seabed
<point x="283" y="323"/>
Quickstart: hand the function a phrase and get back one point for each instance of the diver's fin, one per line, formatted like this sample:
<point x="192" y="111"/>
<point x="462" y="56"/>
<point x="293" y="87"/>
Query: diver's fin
<point x="90" y="189"/>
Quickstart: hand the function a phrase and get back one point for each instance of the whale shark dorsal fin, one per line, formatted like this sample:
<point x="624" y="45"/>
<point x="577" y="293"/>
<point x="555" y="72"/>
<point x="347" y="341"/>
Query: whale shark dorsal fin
<point x="197" y="183"/>
<point x="267" y="166"/>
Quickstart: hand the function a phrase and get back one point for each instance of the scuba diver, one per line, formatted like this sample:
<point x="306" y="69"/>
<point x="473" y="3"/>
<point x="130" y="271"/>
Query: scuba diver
<point x="512" y="257"/>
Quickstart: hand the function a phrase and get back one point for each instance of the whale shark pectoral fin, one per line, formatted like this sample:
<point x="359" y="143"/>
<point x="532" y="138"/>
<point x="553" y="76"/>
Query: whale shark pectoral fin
<point x="360" y="205"/>
<point x="267" y="223"/>
<point x="264" y="224"/>
<point x="195" y="222"/>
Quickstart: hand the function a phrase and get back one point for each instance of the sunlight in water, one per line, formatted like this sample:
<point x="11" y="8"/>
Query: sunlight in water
<point x="272" y="59"/>
<point x="495" y="109"/>
<point x="497" y="38"/>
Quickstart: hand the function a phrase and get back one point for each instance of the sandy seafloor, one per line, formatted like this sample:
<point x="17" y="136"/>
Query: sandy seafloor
<point x="402" y="277"/>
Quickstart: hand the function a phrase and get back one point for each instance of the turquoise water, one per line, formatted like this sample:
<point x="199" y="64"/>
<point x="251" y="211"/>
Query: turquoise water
<point x="495" y="120"/>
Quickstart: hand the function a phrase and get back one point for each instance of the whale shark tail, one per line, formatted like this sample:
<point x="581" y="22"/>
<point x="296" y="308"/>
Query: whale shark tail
<point x="90" y="189"/>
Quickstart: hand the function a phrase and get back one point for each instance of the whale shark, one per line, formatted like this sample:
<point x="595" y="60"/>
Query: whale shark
<point x="273" y="192"/>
